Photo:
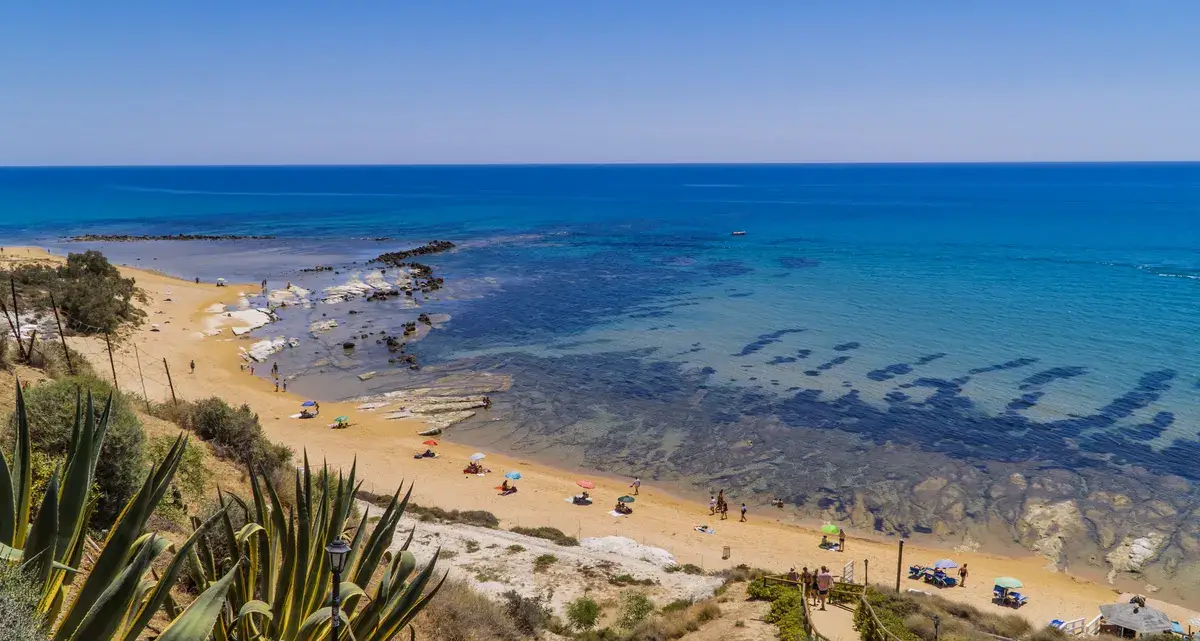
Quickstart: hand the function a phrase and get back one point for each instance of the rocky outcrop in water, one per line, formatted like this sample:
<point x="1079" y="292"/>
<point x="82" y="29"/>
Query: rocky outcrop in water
<point x="127" y="238"/>
<point x="397" y="258"/>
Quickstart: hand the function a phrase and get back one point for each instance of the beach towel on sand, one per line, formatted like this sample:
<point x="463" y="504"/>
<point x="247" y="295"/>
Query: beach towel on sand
<point x="616" y="513"/>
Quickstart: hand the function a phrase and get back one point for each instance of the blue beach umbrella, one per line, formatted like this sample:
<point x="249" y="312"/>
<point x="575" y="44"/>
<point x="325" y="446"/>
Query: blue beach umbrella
<point x="514" y="475"/>
<point x="308" y="403"/>
<point x="945" y="564"/>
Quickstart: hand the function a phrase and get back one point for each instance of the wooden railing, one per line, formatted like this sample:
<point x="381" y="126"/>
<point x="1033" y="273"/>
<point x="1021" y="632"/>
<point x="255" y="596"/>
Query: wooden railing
<point x="854" y="590"/>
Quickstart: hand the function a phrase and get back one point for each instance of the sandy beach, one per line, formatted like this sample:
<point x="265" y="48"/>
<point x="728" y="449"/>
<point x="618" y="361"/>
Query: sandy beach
<point x="184" y="311"/>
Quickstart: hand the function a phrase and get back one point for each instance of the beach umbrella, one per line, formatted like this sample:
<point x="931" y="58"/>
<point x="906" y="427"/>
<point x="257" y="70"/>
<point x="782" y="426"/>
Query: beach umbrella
<point x="1008" y="583"/>
<point x="429" y="442"/>
<point x="830" y="528"/>
<point x="308" y="403"/>
<point x="585" y="484"/>
<point x="945" y="564"/>
<point x="478" y="456"/>
<point x="626" y="499"/>
<point x="342" y="419"/>
<point x="514" y="475"/>
<point x="220" y="280"/>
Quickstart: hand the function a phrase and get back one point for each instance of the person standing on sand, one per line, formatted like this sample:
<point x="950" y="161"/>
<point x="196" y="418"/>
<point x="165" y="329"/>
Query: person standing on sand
<point x="724" y="507"/>
<point x="277" y="385"/>
<point x="636" y="485"/>
<point x="962" y="576"/>
<point x="712" y="505"/>
<point x="743" y="513"/>
<point x="841" y="540"/>
<point x="806" y="582"/>
<point x="824" y="584"/>
<point x="193" y="365"/>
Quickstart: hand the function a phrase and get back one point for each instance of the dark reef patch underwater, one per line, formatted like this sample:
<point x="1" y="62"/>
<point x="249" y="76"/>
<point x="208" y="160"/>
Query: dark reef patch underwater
<point x="940" y="465"/>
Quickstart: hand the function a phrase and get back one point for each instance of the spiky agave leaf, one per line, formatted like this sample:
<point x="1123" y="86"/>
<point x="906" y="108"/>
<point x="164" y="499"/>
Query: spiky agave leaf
<point x="195" y="623"/>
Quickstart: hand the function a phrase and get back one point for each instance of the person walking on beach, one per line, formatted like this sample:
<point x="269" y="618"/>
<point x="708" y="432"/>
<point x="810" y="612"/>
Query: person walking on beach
<point x="962" y="576"/>
<point x="712" y="505"/>
<point x="636" y="485"/>
<point x="824" y="584"/>
<point x="193" y="365"/>
<point x="743" y="513"/>
<point x="806" y="583"/>
<point x="841" y="540"/>
<point x="277" y="385"/>
<point x="724" y="508"/>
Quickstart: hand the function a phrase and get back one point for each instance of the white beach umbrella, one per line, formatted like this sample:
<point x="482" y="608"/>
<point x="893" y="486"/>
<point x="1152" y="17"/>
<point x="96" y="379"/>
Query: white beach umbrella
<point x="478" y="456"/>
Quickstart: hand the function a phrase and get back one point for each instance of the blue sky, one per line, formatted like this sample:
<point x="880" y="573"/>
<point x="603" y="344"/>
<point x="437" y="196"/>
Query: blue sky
<point x="535" y="81"/>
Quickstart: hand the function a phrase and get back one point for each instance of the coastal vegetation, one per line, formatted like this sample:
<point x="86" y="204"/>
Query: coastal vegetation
<point x="552" y="534"/>
<point x="52" y="407"/>
<point x="910" y="617"/>
<point x="269" y="578"/>
<point x="234" y="433"/>
<point x="477" y="518"/>
<point x="90" y="292"/>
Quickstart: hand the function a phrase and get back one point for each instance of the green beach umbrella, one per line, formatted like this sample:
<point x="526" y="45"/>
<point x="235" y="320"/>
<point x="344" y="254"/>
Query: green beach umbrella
<point x="342" y="419"/>
<point x="829" y="528"/>
<point x="1008" y="583"/>
<point x="626" y="499"/>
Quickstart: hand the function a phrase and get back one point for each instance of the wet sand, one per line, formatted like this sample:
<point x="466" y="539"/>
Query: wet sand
<point x="383" y="450"/>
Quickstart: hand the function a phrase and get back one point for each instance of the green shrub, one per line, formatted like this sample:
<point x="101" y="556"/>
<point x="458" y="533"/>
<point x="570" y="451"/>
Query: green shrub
<point x="513" y="549"/>
<point x="686" y="568"/>
<point x="635" y="607"/>
<point x="19" y="620"/>
<point x="622" y="580"/>
<point x="552" y="534"/>
<point x="235" y="434"/>
<point x="193" y="474"/>
<point x="582" y="613"/>
<point x="90" y="292"/>
<point x="122" y="463"/>
<point x="529" y="614"/>
<point x="543" y="562"/>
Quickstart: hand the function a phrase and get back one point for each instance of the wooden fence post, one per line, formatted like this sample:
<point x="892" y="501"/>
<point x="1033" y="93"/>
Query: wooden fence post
<point x="111" y="362"/>
<point x="61" y="336"/>
<point x="138" y="359"/>
<point x="899" y="564"/>
<point x="171" y="384"/>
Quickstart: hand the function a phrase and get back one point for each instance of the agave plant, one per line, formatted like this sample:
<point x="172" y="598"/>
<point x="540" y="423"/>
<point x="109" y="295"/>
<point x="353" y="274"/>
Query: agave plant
<point x="115" y="600"/>
<point x="279" y="592"/>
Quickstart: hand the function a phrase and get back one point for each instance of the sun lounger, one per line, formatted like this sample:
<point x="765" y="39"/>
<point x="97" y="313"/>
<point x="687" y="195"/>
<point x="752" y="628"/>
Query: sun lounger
<point x="1017" y="599"/>
<point x="999" y="594"/>
<point x="945" y="581"/>
<point x="916" y="571"/>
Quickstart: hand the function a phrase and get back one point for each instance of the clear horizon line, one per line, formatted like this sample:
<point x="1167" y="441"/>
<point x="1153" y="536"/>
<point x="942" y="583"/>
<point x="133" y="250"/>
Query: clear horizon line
<point x="605" y="164"/>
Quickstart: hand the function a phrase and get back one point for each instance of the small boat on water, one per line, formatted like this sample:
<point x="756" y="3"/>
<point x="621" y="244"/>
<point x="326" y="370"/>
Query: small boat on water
<point x="738" y="233"/>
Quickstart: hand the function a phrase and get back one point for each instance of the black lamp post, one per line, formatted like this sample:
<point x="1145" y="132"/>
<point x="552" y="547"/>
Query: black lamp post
<point x="339" y="553"/>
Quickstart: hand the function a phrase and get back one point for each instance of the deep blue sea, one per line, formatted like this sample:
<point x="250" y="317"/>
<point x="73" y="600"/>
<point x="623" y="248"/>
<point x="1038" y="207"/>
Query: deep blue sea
<point x="976" y="312"/>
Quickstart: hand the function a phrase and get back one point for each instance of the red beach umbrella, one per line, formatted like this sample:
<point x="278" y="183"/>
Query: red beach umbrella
<point x="585" y="484"/>
<point x="429" y="442"/>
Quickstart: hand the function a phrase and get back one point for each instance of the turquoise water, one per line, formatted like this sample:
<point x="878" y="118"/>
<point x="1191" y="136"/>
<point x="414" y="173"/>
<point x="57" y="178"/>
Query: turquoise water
<point x="980" y="312"/>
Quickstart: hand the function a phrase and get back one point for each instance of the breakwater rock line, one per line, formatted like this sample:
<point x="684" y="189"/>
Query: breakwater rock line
<point x="128" y="238"/>
<point x="396" y="259"/>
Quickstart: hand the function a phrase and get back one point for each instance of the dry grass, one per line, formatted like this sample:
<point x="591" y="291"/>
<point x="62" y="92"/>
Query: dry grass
<point x="459" y="613"/>
<point x="675" y="624"/>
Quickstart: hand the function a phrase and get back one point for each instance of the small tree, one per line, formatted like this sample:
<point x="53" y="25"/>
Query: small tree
<point x="635" y="607"/>
<point x="582" y="613"/>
